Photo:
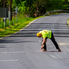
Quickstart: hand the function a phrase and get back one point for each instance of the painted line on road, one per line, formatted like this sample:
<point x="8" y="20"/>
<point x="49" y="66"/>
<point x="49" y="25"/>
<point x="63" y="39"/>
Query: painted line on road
<point x="53" y="56"/>
<point x="63" y="43"/>
<point x="17" y="52"/>
<point x="48" y="29"/>
<point x="15" y="60"/>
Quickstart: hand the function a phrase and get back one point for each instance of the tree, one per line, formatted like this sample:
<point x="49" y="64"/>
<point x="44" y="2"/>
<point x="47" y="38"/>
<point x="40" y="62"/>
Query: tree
<point x="38" y="6"/>
<point x="10" y="9"/>
<point x="4" y="3"/>
<point x="66" y="1"/>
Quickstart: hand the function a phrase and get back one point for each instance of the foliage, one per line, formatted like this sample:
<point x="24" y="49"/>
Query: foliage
<point x="22" y="7"/>
<point x="38" y="7"/>
<point x="68" y="23"/>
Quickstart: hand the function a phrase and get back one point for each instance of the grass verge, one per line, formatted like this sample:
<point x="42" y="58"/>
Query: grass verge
<point x="68" y="22"/>
<point x="18" y="25"/>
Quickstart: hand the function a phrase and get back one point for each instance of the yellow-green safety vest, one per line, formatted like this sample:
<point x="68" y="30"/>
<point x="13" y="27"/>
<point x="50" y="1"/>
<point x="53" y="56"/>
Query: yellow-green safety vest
<point x="46" y="33"/>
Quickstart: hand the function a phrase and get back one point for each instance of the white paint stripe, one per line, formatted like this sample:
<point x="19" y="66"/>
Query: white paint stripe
<point x="53" y="56"/>
<point x="12" y="52"/>
<point x="15" y="60"/>
<point x="42" y="29"/>
<point x="63" y="43"/>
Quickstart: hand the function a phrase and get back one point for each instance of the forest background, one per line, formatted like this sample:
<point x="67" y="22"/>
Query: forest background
<point x="35" y="7"/>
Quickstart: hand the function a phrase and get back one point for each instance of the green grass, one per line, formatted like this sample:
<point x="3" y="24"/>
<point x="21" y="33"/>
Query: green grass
<point x="15" y="25"/>
<point x="68" y="22"/>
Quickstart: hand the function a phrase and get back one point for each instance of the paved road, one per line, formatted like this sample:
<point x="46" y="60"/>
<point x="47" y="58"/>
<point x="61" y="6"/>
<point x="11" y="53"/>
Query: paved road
<point x="21" y="50"/>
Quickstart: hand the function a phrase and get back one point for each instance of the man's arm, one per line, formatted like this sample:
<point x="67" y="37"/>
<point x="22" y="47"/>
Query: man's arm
<point x="44" y="40"/>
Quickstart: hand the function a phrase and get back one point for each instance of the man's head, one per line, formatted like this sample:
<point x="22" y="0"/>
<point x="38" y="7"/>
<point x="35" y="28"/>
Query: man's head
<point x="39" y="35"/>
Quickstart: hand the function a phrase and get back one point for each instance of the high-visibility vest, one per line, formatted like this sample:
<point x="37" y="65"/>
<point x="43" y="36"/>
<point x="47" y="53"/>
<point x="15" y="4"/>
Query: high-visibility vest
<point x="46" y="33"/>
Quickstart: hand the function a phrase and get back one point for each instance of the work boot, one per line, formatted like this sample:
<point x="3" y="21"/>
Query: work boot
<point x="59" y="50"/>
<point x="44" y="50"/>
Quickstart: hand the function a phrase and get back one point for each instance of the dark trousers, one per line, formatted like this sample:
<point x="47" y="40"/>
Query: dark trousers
<point x="54" y="41"/>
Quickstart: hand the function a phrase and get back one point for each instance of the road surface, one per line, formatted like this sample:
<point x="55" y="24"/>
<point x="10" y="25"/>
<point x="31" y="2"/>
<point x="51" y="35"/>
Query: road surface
<point x="22" y="50"/>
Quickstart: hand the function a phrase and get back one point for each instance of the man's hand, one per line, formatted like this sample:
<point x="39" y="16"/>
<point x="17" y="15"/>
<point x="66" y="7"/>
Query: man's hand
<point x="42" y="47"/>
<point x="44" y="40"/>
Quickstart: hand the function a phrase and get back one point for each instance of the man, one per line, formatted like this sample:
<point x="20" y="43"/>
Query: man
<point x="47" y="34"/>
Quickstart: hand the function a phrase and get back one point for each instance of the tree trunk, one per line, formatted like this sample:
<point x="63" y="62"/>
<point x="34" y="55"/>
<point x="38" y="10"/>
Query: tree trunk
<point x="4" y="3"/>
<point x="66" y="1"/>
<point x="1" y="3"/>
<point x="10" y="10"/>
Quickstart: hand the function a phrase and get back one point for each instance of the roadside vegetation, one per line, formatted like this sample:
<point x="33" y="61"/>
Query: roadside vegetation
<point x="39" y="7"/>
<point x="68" y="22"/>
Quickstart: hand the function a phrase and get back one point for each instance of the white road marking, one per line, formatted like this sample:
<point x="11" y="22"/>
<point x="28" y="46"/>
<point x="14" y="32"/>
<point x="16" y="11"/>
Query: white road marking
<point x="12" y="52"/>
<point x="42" y="29"/>
<point x="63" y="43"/>
<point x="15" y="60"/>
<point x="53" y="56"/>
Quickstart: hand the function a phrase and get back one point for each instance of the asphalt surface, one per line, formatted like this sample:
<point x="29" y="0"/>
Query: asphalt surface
<point x="22" y="50"/>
